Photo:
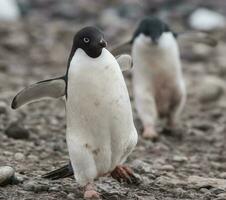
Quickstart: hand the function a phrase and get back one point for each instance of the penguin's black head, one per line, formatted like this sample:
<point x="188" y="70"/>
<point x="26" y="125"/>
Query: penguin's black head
<point x="151" y="27"/>
<point x="91" y="40"/>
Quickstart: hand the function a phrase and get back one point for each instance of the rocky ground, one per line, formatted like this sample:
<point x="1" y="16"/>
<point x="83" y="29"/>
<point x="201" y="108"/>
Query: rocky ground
<point x="187" y="164"/>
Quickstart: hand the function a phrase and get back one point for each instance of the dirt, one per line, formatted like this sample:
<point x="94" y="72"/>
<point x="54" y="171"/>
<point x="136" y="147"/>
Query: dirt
<point x="37" y="48"/>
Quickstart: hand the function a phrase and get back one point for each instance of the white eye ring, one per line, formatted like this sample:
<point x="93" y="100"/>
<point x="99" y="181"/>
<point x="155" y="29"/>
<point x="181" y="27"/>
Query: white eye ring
<point x="86" y="39"/>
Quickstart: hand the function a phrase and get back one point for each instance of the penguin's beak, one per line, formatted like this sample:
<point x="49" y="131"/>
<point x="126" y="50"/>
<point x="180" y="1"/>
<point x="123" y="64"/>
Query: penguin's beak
<point x="103" y="43"/>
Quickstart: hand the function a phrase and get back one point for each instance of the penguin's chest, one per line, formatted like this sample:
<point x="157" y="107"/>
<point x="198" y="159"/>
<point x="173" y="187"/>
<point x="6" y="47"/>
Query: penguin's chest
<point x="158" y="72"/>
<point x="96" y="95"/>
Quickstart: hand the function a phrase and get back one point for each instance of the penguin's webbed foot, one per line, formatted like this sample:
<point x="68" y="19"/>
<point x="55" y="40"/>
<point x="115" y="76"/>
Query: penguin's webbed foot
<point x="124" y="174"/>
<point x="150" y="133"/>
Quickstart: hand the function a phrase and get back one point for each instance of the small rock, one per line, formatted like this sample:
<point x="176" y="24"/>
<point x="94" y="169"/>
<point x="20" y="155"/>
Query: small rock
<point x="202" y="182"/>
<point x="217" y="191"/>
<point x="167" y="168"/>
<point x="164" y="180"/>
<point x="55" y="189"/>
<point x="17" y="132"/>
<point x="3" y="107"/>
<point x="19" y="156"/>
<point x="223" y="175"/>
<point x="6" y="175"/>
<point x="9" y="10"/>
<point x="204" y="191"/>
<point x="141" y="167"/>
<point x="221" y="196"/>
<point x="71" y="196"/>
<point x="211" y="89"/>
<point x="33" y="158"/>
<point x="35" y="187"/>
<point x="206" y="20"/>
<point x="180" y="158"/>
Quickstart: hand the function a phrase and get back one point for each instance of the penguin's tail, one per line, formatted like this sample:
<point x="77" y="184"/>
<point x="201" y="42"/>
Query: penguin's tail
<point x="63" y="172"/>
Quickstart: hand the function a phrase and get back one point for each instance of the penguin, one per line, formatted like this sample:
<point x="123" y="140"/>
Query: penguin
<point x="100" y="130"/>
<point x="158" y="83"/>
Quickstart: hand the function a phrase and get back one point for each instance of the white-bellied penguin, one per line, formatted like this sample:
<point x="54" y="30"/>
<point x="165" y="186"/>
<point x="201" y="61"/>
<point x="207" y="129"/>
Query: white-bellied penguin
<point x="100" y="129"/>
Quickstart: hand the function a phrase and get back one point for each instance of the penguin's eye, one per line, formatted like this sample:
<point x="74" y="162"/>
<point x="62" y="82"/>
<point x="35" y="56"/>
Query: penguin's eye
<point x="86" y="39"/>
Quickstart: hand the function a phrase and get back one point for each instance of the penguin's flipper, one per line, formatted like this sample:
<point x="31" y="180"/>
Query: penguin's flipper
<point x="124" y="48"/>
<point x="197" y="37"/>
<point x="52" y="88"/>
<point x="124" y="61"/>
<point x="63" y="172"/>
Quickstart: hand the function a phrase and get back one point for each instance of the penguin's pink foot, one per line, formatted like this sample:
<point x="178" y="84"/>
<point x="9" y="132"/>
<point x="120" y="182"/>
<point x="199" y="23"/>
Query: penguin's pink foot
<point x="150" y="133"/>
<point x="124" y="174"/>
<point x="91" y="193"/>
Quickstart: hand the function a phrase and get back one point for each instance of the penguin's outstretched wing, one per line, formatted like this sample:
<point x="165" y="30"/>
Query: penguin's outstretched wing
<point x="124" y="61"/>
<point x="196" y="37"/>
<point x="63" y="172"/>
<point x="52" y="88"/>
<point x="124" y="48"/>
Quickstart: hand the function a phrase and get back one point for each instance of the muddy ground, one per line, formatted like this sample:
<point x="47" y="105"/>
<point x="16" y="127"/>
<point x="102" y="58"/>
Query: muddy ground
<point x="189" y="163"/>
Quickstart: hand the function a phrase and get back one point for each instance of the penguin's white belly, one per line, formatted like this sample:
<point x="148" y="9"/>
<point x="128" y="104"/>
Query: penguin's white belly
<point x="157" y="73"/>
<point x="100" y="129"/>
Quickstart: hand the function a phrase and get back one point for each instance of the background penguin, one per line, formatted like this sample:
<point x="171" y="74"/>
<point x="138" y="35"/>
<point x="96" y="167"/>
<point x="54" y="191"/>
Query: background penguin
<point x="100" y="129"/>
<point x="158" y="83"/>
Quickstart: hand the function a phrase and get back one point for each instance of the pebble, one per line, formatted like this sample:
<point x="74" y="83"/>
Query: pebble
<point x="172" y="181"/>
<point x="204" y="191"/>
<point x="3" y="107"/>
<point x="35" y="187"/>
<point x="180" y="158"/>
<point x="55" y="189"/>
<point x="19" y="156"/>
<point x="141" y="166"/>
<point x="222" y="196"/>
<point x="223" y="175"/>
<point x="9" y="10"/>
<point x="211" y="89"/>
<point x="206" y="20"/>
<point x="167" y="168"/>
<point x="202" y="182"/>
<point x="71" y="196"/>
<point x="16" y="131"/>
<point x="33" y="158"/>
<point x="6" y="175"/>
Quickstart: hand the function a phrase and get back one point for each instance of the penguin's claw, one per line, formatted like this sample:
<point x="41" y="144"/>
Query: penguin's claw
<point x="124" y="174"/>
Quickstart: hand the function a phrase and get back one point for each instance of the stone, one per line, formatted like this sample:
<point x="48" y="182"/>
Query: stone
<point x="206" y="20"/>
<point x="141" y="166"/>
<point x="14" y="130"/>
<point x="169" y="181"/>
<point x="180" y="158"/>
<point x="202" y="182"/>
<point x="9" y="10"/>
<point x="55" y="189"/>
<point x="3" y="107"/>
<point x="6" y="175"/>
<point x="19" y="156"/>
<point x="221" y="196"/>
<point x="210" y="89"/>
<point x="167" y="168"/>
<point x="71" y="196"/>
<point x="222" y="175"/>
<point x="35" y="187"/>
